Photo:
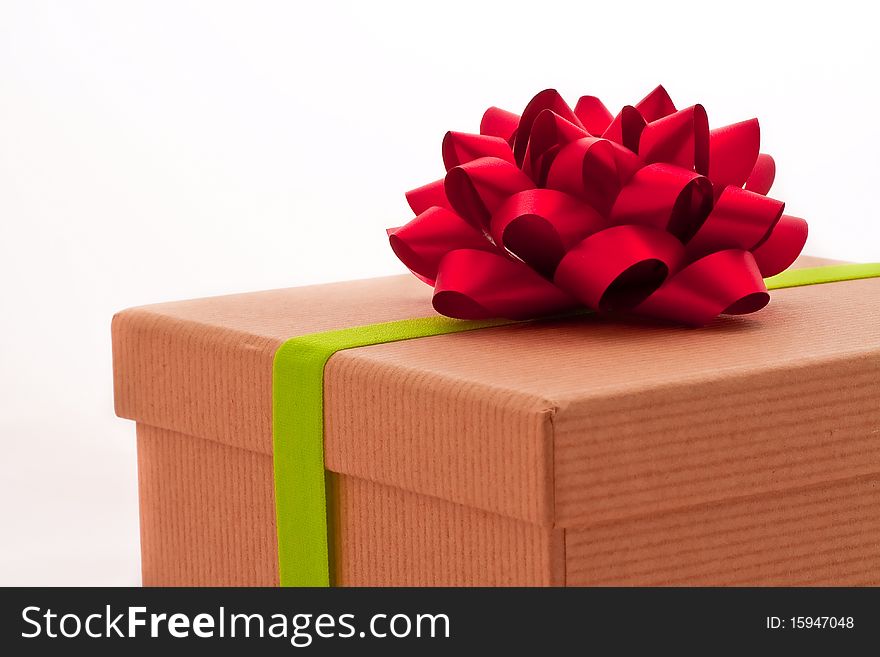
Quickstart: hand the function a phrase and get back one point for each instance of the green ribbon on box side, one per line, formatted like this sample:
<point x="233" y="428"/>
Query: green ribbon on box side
<point x="298" y="419"/>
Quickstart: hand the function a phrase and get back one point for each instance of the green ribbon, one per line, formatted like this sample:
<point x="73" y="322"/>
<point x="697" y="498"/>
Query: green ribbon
<point x="826" y="274"/>
<point x="298" y="419"/>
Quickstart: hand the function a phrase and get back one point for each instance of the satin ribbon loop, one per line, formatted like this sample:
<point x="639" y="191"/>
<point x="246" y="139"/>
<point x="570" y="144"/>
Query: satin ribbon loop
<point x="680" y="138"/>
<point x="782" y="246"/>
<point x="667" y="197"/>
<point x="763" y="174"/>
<point x="497" y="122"/>
<point x="656" y="105"/>
<point x="593" y="170"/>
<point x="461" y="147"/>
<point x="626" y="128"/>
<point x="733" y="153"/>
<point x="547" y="99"/>
<point x="475" y="284"/>
<point x="540" y="225"/>
<point x="549" y="133"/>
<point x="422" y="243"/>
<point x="721" y="282"/>
<point x="477" y="188"/>
<point x="740" y="219"/>
<point x="428" y="196"/>
<point x="617" y="268"/>
<point x="593" y="114"/>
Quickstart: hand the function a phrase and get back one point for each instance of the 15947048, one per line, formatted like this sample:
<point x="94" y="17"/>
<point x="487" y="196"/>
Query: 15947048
<point x="810" y="622"/>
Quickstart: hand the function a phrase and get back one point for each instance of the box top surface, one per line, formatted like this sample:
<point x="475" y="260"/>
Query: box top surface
<point x="567" y="422"/>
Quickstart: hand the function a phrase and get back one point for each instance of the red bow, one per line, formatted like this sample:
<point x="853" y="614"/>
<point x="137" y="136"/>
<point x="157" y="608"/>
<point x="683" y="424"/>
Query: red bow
<point x="649" y="212"/>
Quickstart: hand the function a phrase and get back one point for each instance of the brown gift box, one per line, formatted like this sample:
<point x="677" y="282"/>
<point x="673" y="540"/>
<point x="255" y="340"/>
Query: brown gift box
<point x="573" y="452"/>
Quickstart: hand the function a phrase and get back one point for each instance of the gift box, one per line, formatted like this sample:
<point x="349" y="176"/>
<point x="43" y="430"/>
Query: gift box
<point x="577" y="450"/>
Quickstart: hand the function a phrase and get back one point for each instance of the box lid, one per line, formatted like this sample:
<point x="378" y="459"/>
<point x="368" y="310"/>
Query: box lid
<point x="567" y="423"/>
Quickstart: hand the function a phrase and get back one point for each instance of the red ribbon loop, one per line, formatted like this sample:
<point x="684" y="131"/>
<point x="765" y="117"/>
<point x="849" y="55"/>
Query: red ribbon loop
<point x="647" y="212"/>
<point x="593" y="114"/>
<point x="423" y="242"/>
<point x="617" y="268"/>
<point x="626" y="128"/>
<point x="733" y="153"/>
<point x="499" y="123"/>
<point x="762" y="176"/>
<point x="665" y="196"/>
<point x="593" y="170"/>
<point x="549" y="99"/>
<point x="477" y="188"/>
<point x="540" y="225"/>
<point x="726" y="282"/>
<point x="482" y="285"/>
<point x="656" y="105"/>
<point x="782" y="246"/>
<point x="462" y="147"/>
<point x="427" y="196"/>
<point x="680" y="138"/>
<point x="740" y="219"/>
<point x="550" y="132"/>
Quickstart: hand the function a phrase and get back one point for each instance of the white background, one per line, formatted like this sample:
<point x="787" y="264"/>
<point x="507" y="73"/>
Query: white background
<point x="162" y="150"/>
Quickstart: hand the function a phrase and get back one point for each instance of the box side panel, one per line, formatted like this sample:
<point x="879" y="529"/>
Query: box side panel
<point x="207" y="512"/>
<point x="384" y="536"/>
<point x="822" y="536"/>
<point x="208" y="519"/>
<point x="194" y="379"/>
<point x="445" y="437"/>
<point x="739" y="435"/>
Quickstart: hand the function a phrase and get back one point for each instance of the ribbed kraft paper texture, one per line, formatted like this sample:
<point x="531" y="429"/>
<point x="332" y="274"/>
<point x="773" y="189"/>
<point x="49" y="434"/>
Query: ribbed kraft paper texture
<point x="828" y="535"/>
<point x="208" y="519"/>
<point x="575" y="424"/>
